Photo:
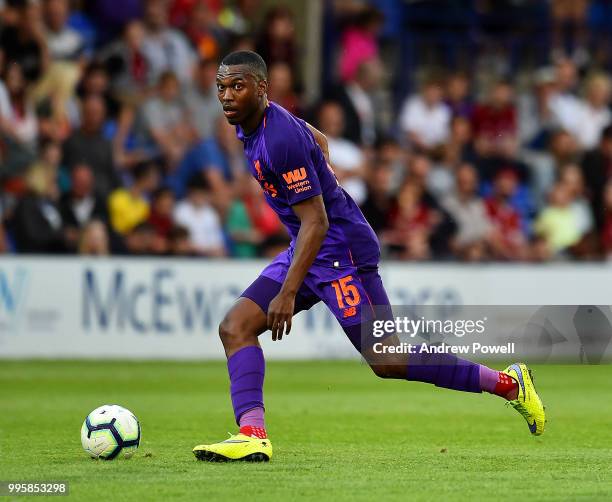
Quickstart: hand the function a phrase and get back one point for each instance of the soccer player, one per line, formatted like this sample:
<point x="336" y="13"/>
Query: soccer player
<point x="333" y="257"/>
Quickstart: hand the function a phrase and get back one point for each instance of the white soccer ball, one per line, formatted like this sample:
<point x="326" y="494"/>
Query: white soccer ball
<point x="110" y="431"/>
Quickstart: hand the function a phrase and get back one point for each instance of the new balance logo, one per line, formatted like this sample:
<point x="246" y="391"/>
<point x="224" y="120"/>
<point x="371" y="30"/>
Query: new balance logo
<point x="349" y="312"/>
<point x="295" y="175"/>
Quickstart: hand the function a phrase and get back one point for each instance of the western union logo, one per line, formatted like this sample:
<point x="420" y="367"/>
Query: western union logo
<point x="295" y="175"/>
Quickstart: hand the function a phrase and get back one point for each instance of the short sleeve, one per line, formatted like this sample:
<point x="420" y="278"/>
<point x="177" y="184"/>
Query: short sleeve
<point x="291" y="159"/>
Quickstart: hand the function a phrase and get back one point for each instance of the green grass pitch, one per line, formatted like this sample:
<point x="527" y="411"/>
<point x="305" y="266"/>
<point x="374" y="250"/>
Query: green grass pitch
<point x="338" y="433"/>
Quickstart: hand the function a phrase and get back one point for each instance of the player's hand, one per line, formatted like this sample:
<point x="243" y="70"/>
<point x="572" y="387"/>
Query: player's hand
<point x="280" y="313"/>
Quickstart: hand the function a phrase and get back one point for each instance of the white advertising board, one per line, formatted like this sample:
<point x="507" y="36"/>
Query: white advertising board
<point x="76" y="307"/>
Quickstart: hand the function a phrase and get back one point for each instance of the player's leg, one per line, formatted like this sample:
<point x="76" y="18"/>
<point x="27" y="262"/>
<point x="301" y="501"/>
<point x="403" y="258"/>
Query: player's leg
<point x="239" y="332"/>
<point x="442" y="370"/>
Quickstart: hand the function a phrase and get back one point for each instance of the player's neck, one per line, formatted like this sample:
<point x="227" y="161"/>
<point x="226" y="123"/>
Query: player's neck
<point x="252" y="123"/>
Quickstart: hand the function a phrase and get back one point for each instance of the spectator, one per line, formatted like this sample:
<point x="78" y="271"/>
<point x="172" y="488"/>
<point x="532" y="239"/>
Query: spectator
<point x="218" y="160"/>
<point x="419" y="168"/>
<point x="458" y="97"/>
<point x="231" y="162"/>
<point x="64" y="43"/>
<point x="557" y="223"/>
<point x="127" y="64"/>
<point x="196" y="214"/>
<point x="389" y="153"/>
<point x="129" y="207"/>
<point x="16" y="111"/>
<point x="237" y="18"/>
<point x="24" y="42"/>
<point x="94" y="239"/>
<point x="565" y="106"/>
<point x="355" y="98"/>
<point x="411" y="223"/>
<point x="459" y="146"/>
<point x="544" y="166"/>
<point x="597" y="170"/>
<point x="201" y="99"/>
<point x="534" y="116"/>
<point x="161" y="217"/>
<point x="166" y="49"/>
<point x="442" y="227"/>
<point x="425" y="118"/>
<point x="264" y="220"/>
<point x="508" y="241"/>
<point x="346" y="158"/>
<point x="111" y="17"/>
<point x="50" y="156"/>
<point x="277" y="42"/>
<point x="245" y="237"/>
<point x="572" y="179"/>
<point x="96" y="81"/>
<point x="359" y="42"/>
<point x="569" y="29"/>
<point x="280" y="88"/>
<point x="37" y="222"/>
<point x="378" y="201"/>
<point x="18" y="123"/>
<point x="59" y="115"/>
<point x="167" y="121"/>
<point x="89" y="146"/>
<point x="179" y="243"/>
<point x="596" y="111"/>
<point x="495" y="123"/>
<point x="140" y="240"/>
<point x="81" y="204"/>
<point x="469" y="211"/>
<point x="203" y="31"/>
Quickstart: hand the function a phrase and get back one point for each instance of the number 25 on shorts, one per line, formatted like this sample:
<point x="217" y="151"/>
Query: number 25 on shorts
<point x="346" y="293"/>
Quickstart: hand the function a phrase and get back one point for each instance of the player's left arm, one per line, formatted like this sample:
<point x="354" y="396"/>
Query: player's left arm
<point x="313" y="229"/>
<point x="321" y="140"/>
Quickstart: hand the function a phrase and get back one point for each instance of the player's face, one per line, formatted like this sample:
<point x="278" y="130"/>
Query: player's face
<point x="239" y="93"/>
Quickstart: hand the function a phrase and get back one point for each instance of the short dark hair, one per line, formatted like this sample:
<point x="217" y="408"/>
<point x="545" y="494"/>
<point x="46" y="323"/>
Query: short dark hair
<point x="197" y="183"/>
<point x="143" y="169"/>
<point x="162" y="192"/>
<point x="178" y="232"/>
<point x="251" y="59"/>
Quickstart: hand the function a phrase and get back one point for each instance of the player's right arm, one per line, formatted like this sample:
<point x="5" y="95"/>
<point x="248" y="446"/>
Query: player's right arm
<point x="298" y="184"/>
<point x="313" y="229"/>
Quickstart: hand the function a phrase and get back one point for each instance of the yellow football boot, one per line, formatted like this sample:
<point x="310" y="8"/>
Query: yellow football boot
<point x="527" y="403"/>
<point x="236" y="448"/>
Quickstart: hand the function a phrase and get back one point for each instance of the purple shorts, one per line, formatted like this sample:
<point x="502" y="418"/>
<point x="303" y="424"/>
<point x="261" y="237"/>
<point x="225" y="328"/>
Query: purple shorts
<point x="348" y="291"/>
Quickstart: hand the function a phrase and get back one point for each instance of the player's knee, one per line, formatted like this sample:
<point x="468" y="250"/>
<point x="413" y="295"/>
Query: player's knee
<point x="234" y="332"/>
<point x="229" y="332"/>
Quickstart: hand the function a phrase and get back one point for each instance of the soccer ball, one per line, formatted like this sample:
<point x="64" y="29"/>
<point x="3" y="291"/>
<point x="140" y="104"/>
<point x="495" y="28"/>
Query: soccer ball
<point x="110" y="431"/>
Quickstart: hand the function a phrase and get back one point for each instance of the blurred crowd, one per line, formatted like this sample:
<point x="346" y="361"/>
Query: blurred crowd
<point x="112" y="140"/>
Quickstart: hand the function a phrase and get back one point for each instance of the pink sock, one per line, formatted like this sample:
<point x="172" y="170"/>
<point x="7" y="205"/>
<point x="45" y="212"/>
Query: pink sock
<point x="498" y="383"/>
<point x="254" y="417"/>
<point x="488" y="379"/>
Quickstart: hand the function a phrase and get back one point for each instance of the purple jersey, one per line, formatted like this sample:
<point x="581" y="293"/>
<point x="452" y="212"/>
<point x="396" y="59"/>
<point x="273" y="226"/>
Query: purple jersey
<point x="289" y="165"/>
